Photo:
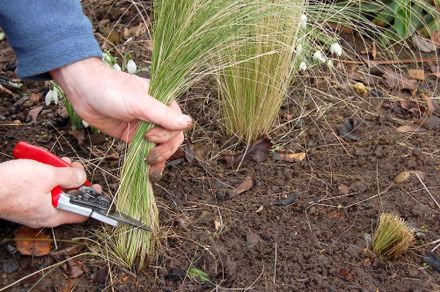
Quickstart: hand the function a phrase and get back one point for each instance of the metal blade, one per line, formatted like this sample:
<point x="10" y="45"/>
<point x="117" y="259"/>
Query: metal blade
<point x="128" y="220"/>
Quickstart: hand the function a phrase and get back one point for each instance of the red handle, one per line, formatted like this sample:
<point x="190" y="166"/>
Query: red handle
<point x="23" y="150"/>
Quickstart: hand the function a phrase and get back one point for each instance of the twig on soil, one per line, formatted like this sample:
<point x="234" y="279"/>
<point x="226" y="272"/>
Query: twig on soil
<point x="372" y="197"/>
<point x="46" y="268"/>
<point x="54" y="239"/>
<point x="427" y="190"/>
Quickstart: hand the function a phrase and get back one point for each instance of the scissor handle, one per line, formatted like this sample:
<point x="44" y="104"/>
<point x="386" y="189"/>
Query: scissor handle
<point x="24" y="150"/>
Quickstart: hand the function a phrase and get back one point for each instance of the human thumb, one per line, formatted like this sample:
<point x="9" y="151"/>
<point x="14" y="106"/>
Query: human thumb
<point x="167" y="117"/>
<point x="70" y="177"/>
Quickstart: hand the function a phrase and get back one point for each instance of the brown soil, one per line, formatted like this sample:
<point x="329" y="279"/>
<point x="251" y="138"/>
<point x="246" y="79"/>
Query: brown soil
<point x="247" y="242"/>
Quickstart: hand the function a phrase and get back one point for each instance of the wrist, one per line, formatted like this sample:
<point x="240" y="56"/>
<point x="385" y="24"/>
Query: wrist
<point x="73" y="78"/>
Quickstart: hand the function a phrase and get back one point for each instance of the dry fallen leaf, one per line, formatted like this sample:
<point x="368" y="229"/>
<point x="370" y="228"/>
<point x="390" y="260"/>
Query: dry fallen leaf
<point x="433" y="106"/>
<point x="244" y="186"/>
<point x="344" y="189"/>
<point x="35" y="97"/>
<point x="411" y="128"/>
<point x="360" y="88"/>
<point x="416" y="74"/>
<point x="429" y="123"/>
<point x="79" y="135"/>
<point x="33" y="114"/>
<point x="423" y="44"/>
<point x="33" y="242"/>
<point x="256" y="152"/>
<point x="75" y="268"/>
<point x="396" y="80"/>
<point x="405" y="175"/>
<point x="435" y="70"/>
<point x="217" y="225"/>
<point x="289" y="157"/>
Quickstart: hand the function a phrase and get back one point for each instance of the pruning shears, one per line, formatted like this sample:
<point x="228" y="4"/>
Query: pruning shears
<point x="85" y="200"/>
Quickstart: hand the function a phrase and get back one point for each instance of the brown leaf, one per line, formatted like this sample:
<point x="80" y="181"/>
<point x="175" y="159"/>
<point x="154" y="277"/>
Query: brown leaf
<point x="335" y="214"/>
<point x="33" y="242"/>
<point x="289" y="157"/>
<point x="395" y="80"/>
<point x="344" y="189"/>
<point x="416" y="74"/>
<point x="411" y="128"/>
<point x="360" y="88"/>
<point x="435" y="71"/>
<point x="35" y="97"/>
<point x="429" y="123"/>
<point x="258" y="152"/>
<point x="33" y="114"/>
<point x="345" y="275"/>
<point x="433" y="107"/>
<point x="252" y="239"/>
<point x="79" y="135"/>
<point x="67" y="252"/>
<point x="407" y="174"/>
<point x="75" y="268"/>
<point x="21" y="100"/>
<point x="423" y="44"/>
<point x="70" y="285"/>
<point x="244" y="186"/>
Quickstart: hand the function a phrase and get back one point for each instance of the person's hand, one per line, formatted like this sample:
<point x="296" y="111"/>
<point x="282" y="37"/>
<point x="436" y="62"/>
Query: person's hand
<point x="25" y="187"/>
<point x="115" y="102"/>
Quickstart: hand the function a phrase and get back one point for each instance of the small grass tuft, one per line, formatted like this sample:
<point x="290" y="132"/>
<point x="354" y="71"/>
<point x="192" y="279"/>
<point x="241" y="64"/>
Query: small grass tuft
<point x="392" y="236"/>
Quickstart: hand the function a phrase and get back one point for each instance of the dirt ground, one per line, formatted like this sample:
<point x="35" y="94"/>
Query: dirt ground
<point x="249" y="241"/>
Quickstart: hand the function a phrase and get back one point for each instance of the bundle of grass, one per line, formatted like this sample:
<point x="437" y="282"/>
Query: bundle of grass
<point x="252" y="92"/>
<point x="188" y="36"/>
<point x="392" y="236"/>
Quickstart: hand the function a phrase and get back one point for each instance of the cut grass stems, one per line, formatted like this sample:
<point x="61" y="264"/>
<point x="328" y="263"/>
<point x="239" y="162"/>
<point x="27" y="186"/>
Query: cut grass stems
<point x="188" y="36"/>
<point x="252" y="92"/>
<point x="392" y="236"/>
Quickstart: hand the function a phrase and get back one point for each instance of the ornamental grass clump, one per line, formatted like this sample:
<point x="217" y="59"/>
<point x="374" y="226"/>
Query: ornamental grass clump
<point x="251" y="92"/>
<point x="392" y="236"/>
<point x="188" y="36"/>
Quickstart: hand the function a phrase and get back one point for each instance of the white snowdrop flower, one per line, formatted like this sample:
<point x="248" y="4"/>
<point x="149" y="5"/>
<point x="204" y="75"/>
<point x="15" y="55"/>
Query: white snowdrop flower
<point x="303" y="66"/>
<point x="117" y="67"/>
<point x="131" y="67"/>
<point x="303" y="21"/>
<point x="85" y="124"/>
<point x="299" y="49"/>
<point x="51" y="95"/>
<point x="319" y="57"/>
<point x="336" y="49"/>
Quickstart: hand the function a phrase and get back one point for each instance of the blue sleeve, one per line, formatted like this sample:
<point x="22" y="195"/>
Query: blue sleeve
<point x="47" y="34"/>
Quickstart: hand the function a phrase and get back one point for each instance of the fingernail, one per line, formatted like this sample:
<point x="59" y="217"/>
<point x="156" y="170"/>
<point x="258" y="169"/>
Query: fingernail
<point x="81" y="176"/>
<point x="155" y="176"/>
<point x="151" y="138"/>
<point x="151" y="159"/>
<point x="184" y="120"/>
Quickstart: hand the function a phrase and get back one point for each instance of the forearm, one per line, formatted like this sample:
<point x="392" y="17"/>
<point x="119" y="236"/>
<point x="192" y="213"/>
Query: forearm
<point x="47" y="35"/>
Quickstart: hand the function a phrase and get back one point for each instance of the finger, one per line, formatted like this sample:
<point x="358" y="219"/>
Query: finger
<point x="67" y="159"/>
<point x="97" y="188"/>
<point x="64" y="217"/>
<point x="160" y="135"/>
<point x="68" y="177"/>
<point x="154" y="111"/>
<point x="78" y="165"/>
<point x="164" y="151"/>
<point x="156" y="171"/>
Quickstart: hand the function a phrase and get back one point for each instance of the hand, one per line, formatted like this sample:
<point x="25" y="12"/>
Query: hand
<point x="115" y="102"/>
<point x="25" y="187"/>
